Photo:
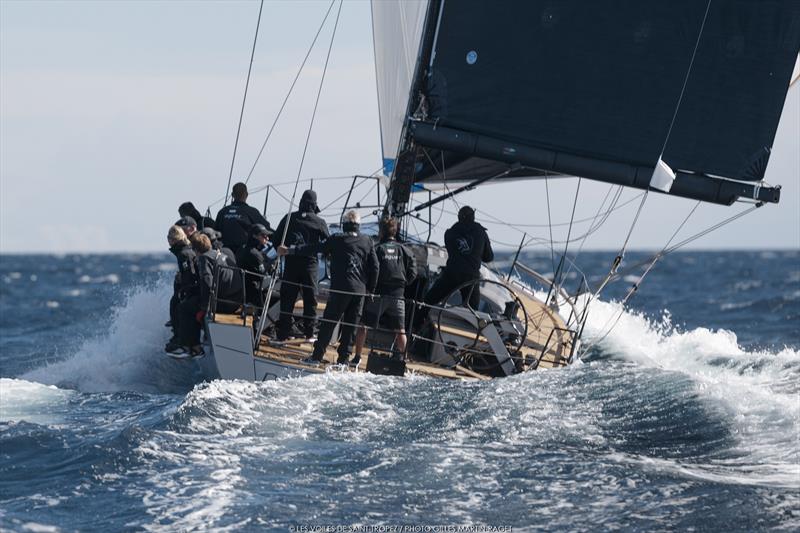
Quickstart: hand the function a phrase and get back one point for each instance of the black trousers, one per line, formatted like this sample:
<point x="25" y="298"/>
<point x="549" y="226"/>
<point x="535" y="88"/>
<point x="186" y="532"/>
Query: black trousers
<point x="340" y="307"/>
<point x="188" y="327"/>
<point x="173" y="312"/>
<point x="253" y="293"/>
<point x="448" y="281"/>
<point x="294" y="281"/>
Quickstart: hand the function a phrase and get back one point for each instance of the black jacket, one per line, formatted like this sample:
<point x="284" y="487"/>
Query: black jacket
<point x="255" y="262"/>
<point x="217" y="245"/>
<point x="467" y="246"/>
<point x="230" y="279"/>
<point x="354" y="265"/>
<point x="305" y="227"/>
<point x="234" y="222"/>
<point x="187" y="278"/>
<point x="254" y="259"/>
<point x="397" y="265"/>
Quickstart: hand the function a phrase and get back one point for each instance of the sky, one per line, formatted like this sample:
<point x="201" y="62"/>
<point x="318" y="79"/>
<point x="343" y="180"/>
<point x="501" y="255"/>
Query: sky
<point x="114" y="113"/>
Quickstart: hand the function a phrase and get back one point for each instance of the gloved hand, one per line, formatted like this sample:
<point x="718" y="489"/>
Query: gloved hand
<point x="199" y="316"/>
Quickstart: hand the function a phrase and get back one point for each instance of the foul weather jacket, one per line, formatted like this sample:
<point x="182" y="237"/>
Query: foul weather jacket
<point x="467" y="246"/>
<point x="397" y="265"/>
<point x="305" y="227"/>
<point x="234" y="222"/>
<point x="354" y="265"/>
<point x="186" y="280"/>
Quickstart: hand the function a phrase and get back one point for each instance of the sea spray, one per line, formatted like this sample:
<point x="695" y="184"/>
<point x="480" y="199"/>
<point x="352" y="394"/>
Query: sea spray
<point x="128" y="354"/>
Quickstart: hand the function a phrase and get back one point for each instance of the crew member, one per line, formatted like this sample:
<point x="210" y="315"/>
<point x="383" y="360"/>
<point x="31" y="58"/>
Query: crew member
<point x="216" y="243"/>
<point x="188" y="224"/>
<point x="254" y="259"/>
<point x="185" y="284"/>
<point x="397" y="269"/>
<point x="234" y="220"/>
<point x="300" y="272"/>
<point x="193" y="310"/>
<point x="187" y="209"/>
<point x="467" y="246"/>
<point x="354" y="272"/>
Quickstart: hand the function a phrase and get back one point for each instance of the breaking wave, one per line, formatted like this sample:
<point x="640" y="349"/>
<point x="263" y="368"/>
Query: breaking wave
<point x="128" y="355"/>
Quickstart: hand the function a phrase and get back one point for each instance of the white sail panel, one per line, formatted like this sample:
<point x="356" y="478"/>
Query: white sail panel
<point x="396" y="32"/>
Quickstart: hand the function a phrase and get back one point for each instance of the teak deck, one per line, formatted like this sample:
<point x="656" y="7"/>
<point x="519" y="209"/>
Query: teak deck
<point x="292" y="352"/>
<point x="547" y="340"/>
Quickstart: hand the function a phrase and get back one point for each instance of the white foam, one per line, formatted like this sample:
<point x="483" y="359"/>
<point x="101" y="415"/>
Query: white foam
<point x="22" y="400"/>
<point x="759" y="387"/>
<point x="128" y="355"/>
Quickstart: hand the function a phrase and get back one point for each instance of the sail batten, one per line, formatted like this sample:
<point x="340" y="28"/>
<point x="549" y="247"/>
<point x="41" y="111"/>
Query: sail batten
<point x="602" y="82"/>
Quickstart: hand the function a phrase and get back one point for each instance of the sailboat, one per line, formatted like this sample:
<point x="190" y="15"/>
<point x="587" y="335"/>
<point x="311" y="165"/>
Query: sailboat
<point x="680" y="98"/>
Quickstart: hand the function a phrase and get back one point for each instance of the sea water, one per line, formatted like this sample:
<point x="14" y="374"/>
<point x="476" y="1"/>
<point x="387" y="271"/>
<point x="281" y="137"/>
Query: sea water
<point x="685" y="416"/>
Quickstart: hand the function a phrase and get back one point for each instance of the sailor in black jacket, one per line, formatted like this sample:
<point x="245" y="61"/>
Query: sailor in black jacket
<point x="185" y="284"/>
<point x="216" y="243"/>
<point x="187" y="209"/>
<point x="234" y="220"/>
<point x="354" y="272"/>
<point x="192" y="311"/>
<point x="300" y="272"/>
<point x="397" y="268"/>
<point x="467" y="247"/>
<point x="255" y="261"/>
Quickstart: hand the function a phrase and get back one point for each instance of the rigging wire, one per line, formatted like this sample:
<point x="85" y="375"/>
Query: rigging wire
<point x="594" y="225"/>
<point x="550" y="221"/>
<point x="291" y="88"/>
<point x="635" y="287"/>
<point x="244" y="100"/>
<point x="686" y="79"/>
<point x="262" y="321"/>
<point x="313" y="116"/>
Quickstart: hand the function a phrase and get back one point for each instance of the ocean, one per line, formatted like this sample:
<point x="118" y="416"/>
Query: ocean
<point x="686" y="416"/>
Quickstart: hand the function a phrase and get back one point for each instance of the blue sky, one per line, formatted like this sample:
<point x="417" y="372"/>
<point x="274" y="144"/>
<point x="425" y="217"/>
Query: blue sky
<point x="113" y="113"/>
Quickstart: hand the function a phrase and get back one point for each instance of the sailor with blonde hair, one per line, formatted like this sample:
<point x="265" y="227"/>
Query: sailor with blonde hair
<point x="185" y="284"/>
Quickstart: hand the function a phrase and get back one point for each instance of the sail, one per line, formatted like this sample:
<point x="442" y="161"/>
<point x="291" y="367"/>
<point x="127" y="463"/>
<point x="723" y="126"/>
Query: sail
<point x="396" y="31"/>
<point x="597" y="89"/>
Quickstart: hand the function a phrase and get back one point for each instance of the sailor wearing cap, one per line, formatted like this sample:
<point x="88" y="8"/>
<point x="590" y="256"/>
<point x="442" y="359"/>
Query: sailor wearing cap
<point x="187" y="224"/>
<point x="255" y="259"/>
<point x="301" y="272"/>
<point x="216" y="244"/>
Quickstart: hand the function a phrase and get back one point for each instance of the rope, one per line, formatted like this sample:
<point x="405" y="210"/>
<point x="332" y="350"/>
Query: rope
<point x="262" y="322"/>
<point x="686" y="78"/>
<point x="664" y="252"/>
<point x="244" y="100"/>
<point x="288" y="94"/>
<point x="594" y="226"/>
<point x="569" y="231"/>
<point x="550" y="221"/>
<point x="313" y="116"/>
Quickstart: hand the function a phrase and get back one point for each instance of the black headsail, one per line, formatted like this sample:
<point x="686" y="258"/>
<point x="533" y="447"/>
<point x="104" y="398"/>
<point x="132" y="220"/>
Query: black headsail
<point x="603" y="90"/>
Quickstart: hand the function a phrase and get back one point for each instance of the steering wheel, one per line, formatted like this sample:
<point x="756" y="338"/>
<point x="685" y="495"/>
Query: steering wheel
<point x="512" y="328"/>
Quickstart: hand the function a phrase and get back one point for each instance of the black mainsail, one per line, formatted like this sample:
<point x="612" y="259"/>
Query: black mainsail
<point x="601" y="90"/>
